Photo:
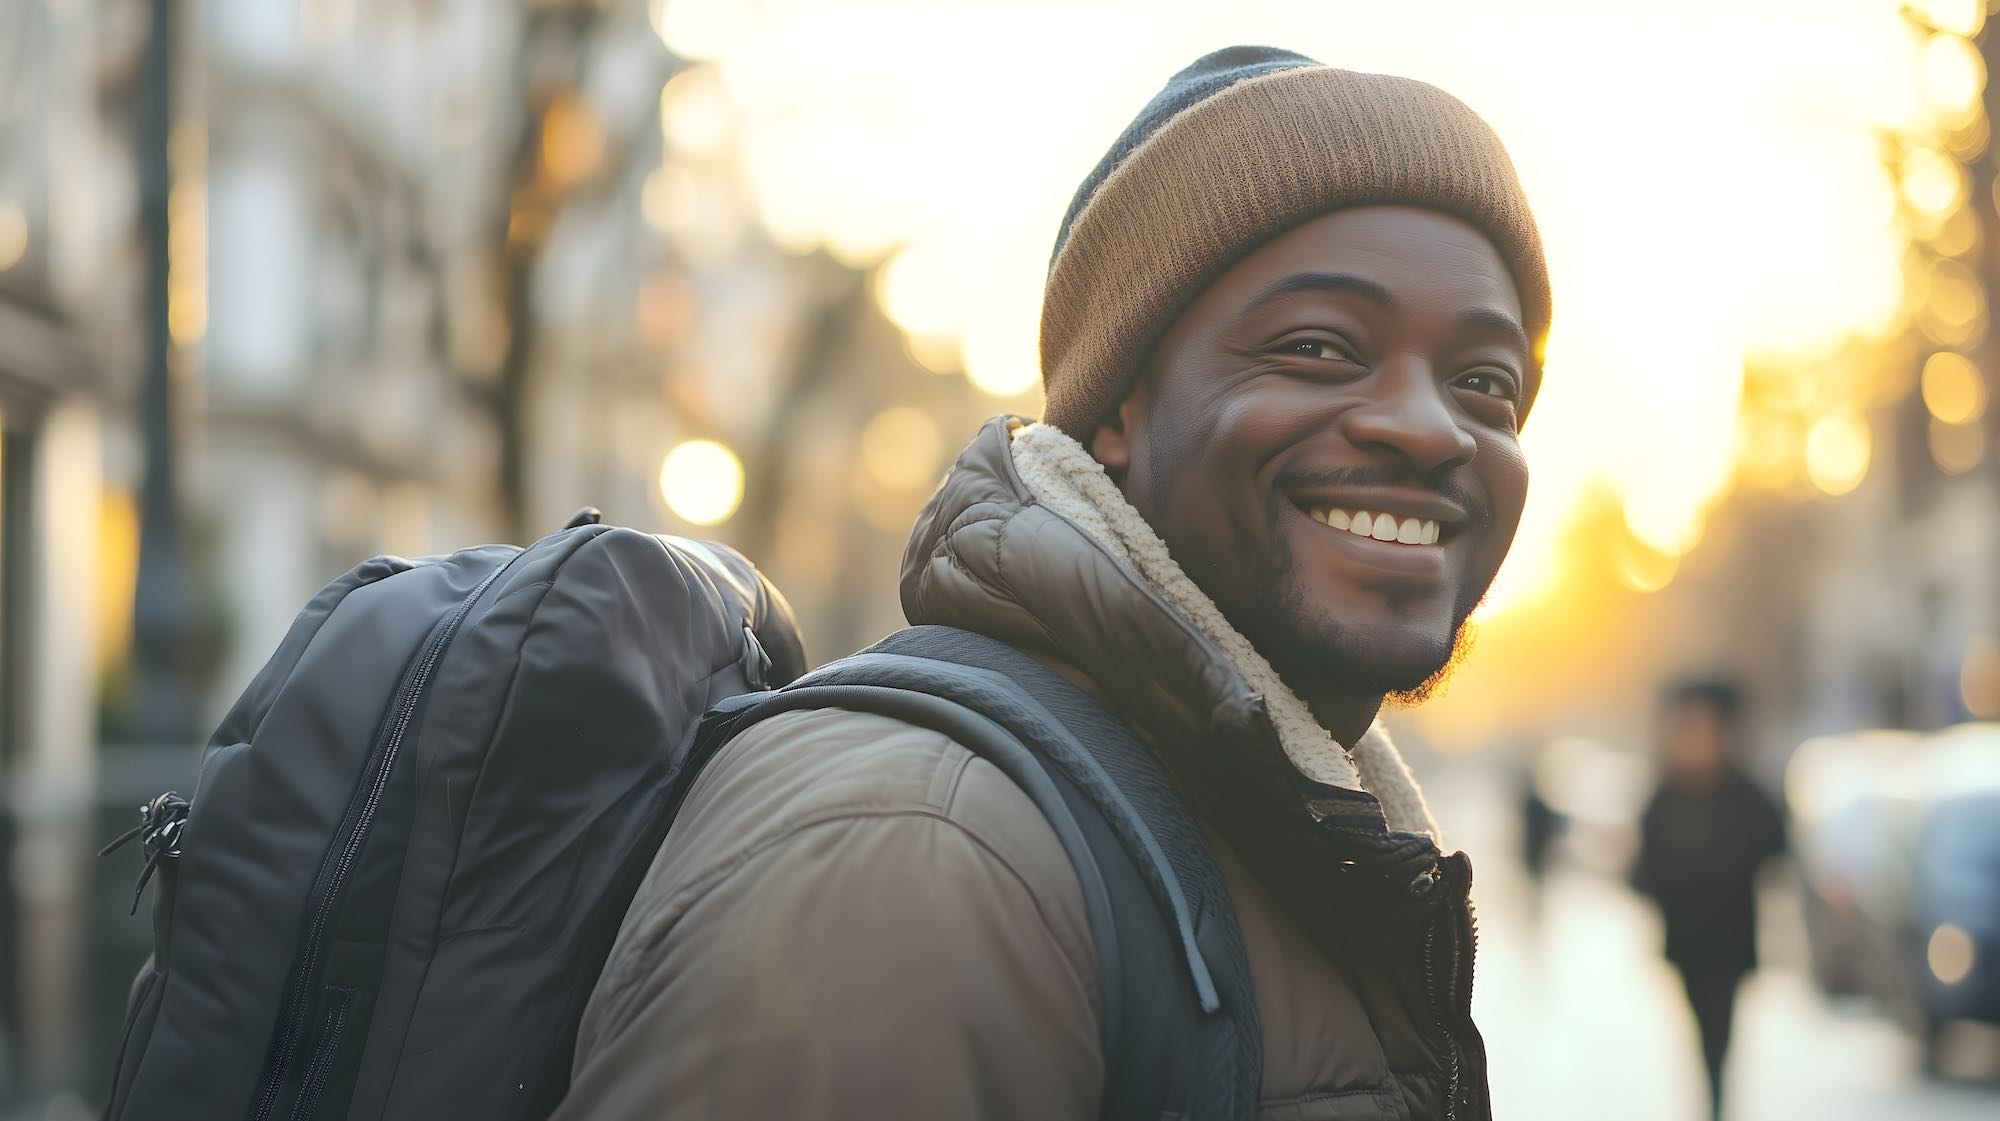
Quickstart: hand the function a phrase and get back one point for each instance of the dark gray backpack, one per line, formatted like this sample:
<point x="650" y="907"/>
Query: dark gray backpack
<point x="416" y="833"/>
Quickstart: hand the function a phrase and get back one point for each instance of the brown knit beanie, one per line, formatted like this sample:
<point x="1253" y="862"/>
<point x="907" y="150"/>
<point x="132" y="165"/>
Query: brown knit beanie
<point x="1242" y="145"/>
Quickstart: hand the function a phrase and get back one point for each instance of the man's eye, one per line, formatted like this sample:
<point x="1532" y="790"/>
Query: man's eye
<point x="1317" y="348"/>
<point x="1492" y="383"/>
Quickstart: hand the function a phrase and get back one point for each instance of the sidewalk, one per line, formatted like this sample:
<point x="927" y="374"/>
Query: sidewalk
<point x="1582" y="1019"/>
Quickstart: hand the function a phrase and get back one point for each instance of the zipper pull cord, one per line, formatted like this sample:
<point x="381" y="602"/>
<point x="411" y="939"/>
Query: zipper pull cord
<point x="161" y="822"/>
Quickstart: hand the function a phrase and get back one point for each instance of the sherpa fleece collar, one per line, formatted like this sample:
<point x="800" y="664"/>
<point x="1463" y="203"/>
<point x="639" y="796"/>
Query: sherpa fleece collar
<point x="1031" y="542"/>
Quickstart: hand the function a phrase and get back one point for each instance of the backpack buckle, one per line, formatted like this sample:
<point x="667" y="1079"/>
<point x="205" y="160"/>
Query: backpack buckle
<point x="755" y="662"/>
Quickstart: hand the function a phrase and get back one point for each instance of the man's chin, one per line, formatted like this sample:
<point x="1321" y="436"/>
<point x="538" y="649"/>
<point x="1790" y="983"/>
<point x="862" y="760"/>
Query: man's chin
<point x="1404" y="668"/>
<point x="1433" y="683"/>
<point x="1400" y="651"/>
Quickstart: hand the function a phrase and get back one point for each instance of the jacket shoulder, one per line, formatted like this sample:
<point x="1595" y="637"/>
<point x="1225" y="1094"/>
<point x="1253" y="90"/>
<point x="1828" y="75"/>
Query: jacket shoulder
<point x="798" y="771"/>
<point x="864" y="897"/>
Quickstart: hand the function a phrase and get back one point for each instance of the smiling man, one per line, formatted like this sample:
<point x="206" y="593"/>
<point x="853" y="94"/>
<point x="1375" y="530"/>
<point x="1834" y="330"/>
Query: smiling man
<point x="1326" y="440"/>
<point x="1289" y="340"/>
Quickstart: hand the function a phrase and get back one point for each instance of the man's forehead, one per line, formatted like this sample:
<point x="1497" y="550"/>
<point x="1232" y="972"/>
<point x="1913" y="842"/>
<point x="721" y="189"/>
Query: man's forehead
<point x="1384" y="254"/>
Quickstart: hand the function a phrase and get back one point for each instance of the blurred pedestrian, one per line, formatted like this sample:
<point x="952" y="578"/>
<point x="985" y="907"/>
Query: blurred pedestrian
<point x="1705" y="835"/>
<point x="1541" y="826"/>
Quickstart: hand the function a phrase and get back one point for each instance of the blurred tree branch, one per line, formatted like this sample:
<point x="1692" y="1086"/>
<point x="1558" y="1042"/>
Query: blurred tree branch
<point x="814" y="360"/>
<point x="549" y="66"/>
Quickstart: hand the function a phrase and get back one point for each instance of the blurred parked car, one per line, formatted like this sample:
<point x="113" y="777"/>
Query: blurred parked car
<point x="1854" y="802"/>
<point x="1898" y="839"/>
<point x="1943" y="954"/>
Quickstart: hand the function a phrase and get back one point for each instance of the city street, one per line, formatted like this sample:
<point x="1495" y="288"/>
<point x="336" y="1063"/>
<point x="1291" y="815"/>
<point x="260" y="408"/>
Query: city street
<point x="1286" y="357"/>
<point x="1583" y="1020"/>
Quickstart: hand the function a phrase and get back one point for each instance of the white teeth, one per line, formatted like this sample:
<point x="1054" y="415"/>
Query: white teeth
<point x="1381" y="527"/>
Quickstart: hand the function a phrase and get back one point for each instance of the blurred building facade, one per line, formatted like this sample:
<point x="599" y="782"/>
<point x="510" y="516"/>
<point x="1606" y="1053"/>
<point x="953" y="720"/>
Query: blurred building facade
<point x="55" y="407"/>
<point x="1866" y="525"/>
<point x="438" y="276"/>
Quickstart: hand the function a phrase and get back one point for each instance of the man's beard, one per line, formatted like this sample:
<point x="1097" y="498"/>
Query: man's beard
<point x="1308" y="649"/>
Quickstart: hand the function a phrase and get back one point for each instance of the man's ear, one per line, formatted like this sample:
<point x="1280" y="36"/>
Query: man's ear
<point x="1113" y="441"/>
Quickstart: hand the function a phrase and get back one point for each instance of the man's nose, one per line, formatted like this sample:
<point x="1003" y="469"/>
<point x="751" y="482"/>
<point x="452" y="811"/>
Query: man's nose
<point x="1406" y="416"/>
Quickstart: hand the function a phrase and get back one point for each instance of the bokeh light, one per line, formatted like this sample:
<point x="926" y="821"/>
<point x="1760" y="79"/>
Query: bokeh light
<point x="1956" y="448"/>
<point x="1952" y="73"/>
<point x="1958" y="234"/>
<point x="918" y="291"/>
<point x="1769" y="449"/>
<point x="702" y="482"/>
<point x="695" y="116"/>
<point x="572" y="138"/>
<point x="1952" y="388"/>
<point x="1950" y="953"/>
<point x="694" y="30"/>
<point x="1933" y="183"/>
<point x="1837" y="451"/>
<point x="1643" y="569"/>
<point x="1955" y="313"/>
<point x="901" y="447"/>
<point x="1002" y="362"/>
<point x="938" y="354"/>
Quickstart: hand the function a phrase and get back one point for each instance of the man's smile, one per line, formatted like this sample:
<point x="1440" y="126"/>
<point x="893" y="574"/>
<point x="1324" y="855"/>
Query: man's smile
<point x="1415" y="553"/>
<point x="1380" y="526"/>
<point x="1403" y="514"/>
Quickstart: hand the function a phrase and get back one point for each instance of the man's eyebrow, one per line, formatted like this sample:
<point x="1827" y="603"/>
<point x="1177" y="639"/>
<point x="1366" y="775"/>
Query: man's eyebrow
<point x="1489" y="320"/>
<point x="1321" y="282"/>
<point x="1497" y="322"/>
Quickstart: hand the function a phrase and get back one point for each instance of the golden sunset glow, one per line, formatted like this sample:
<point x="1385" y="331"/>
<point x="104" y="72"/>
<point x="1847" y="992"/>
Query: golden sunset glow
<point x="1690" y="226"/>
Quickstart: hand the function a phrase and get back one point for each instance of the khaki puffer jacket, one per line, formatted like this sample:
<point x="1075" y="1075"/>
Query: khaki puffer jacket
<point x="856" y="918"/>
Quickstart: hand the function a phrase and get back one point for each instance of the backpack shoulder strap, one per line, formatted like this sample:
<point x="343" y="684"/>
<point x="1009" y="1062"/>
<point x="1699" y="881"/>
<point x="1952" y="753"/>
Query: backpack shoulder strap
<point x="1154" y="899"/>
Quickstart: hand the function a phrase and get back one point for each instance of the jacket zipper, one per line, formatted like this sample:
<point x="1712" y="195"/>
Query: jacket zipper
<point x="292" y="1017"/>
<point x="1439" y="1010"/>
<point x="1470" y="942"/>
<point x="1446" y="1002"/>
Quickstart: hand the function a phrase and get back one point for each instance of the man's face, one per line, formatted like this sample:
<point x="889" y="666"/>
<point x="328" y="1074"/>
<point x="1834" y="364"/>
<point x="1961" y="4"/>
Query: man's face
<point x="1364" y="371"/>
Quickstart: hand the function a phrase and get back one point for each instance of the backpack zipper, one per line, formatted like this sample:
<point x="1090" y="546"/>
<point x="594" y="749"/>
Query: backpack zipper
<point x="321" y="1067"/>
<point x="292" y="1014"/>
